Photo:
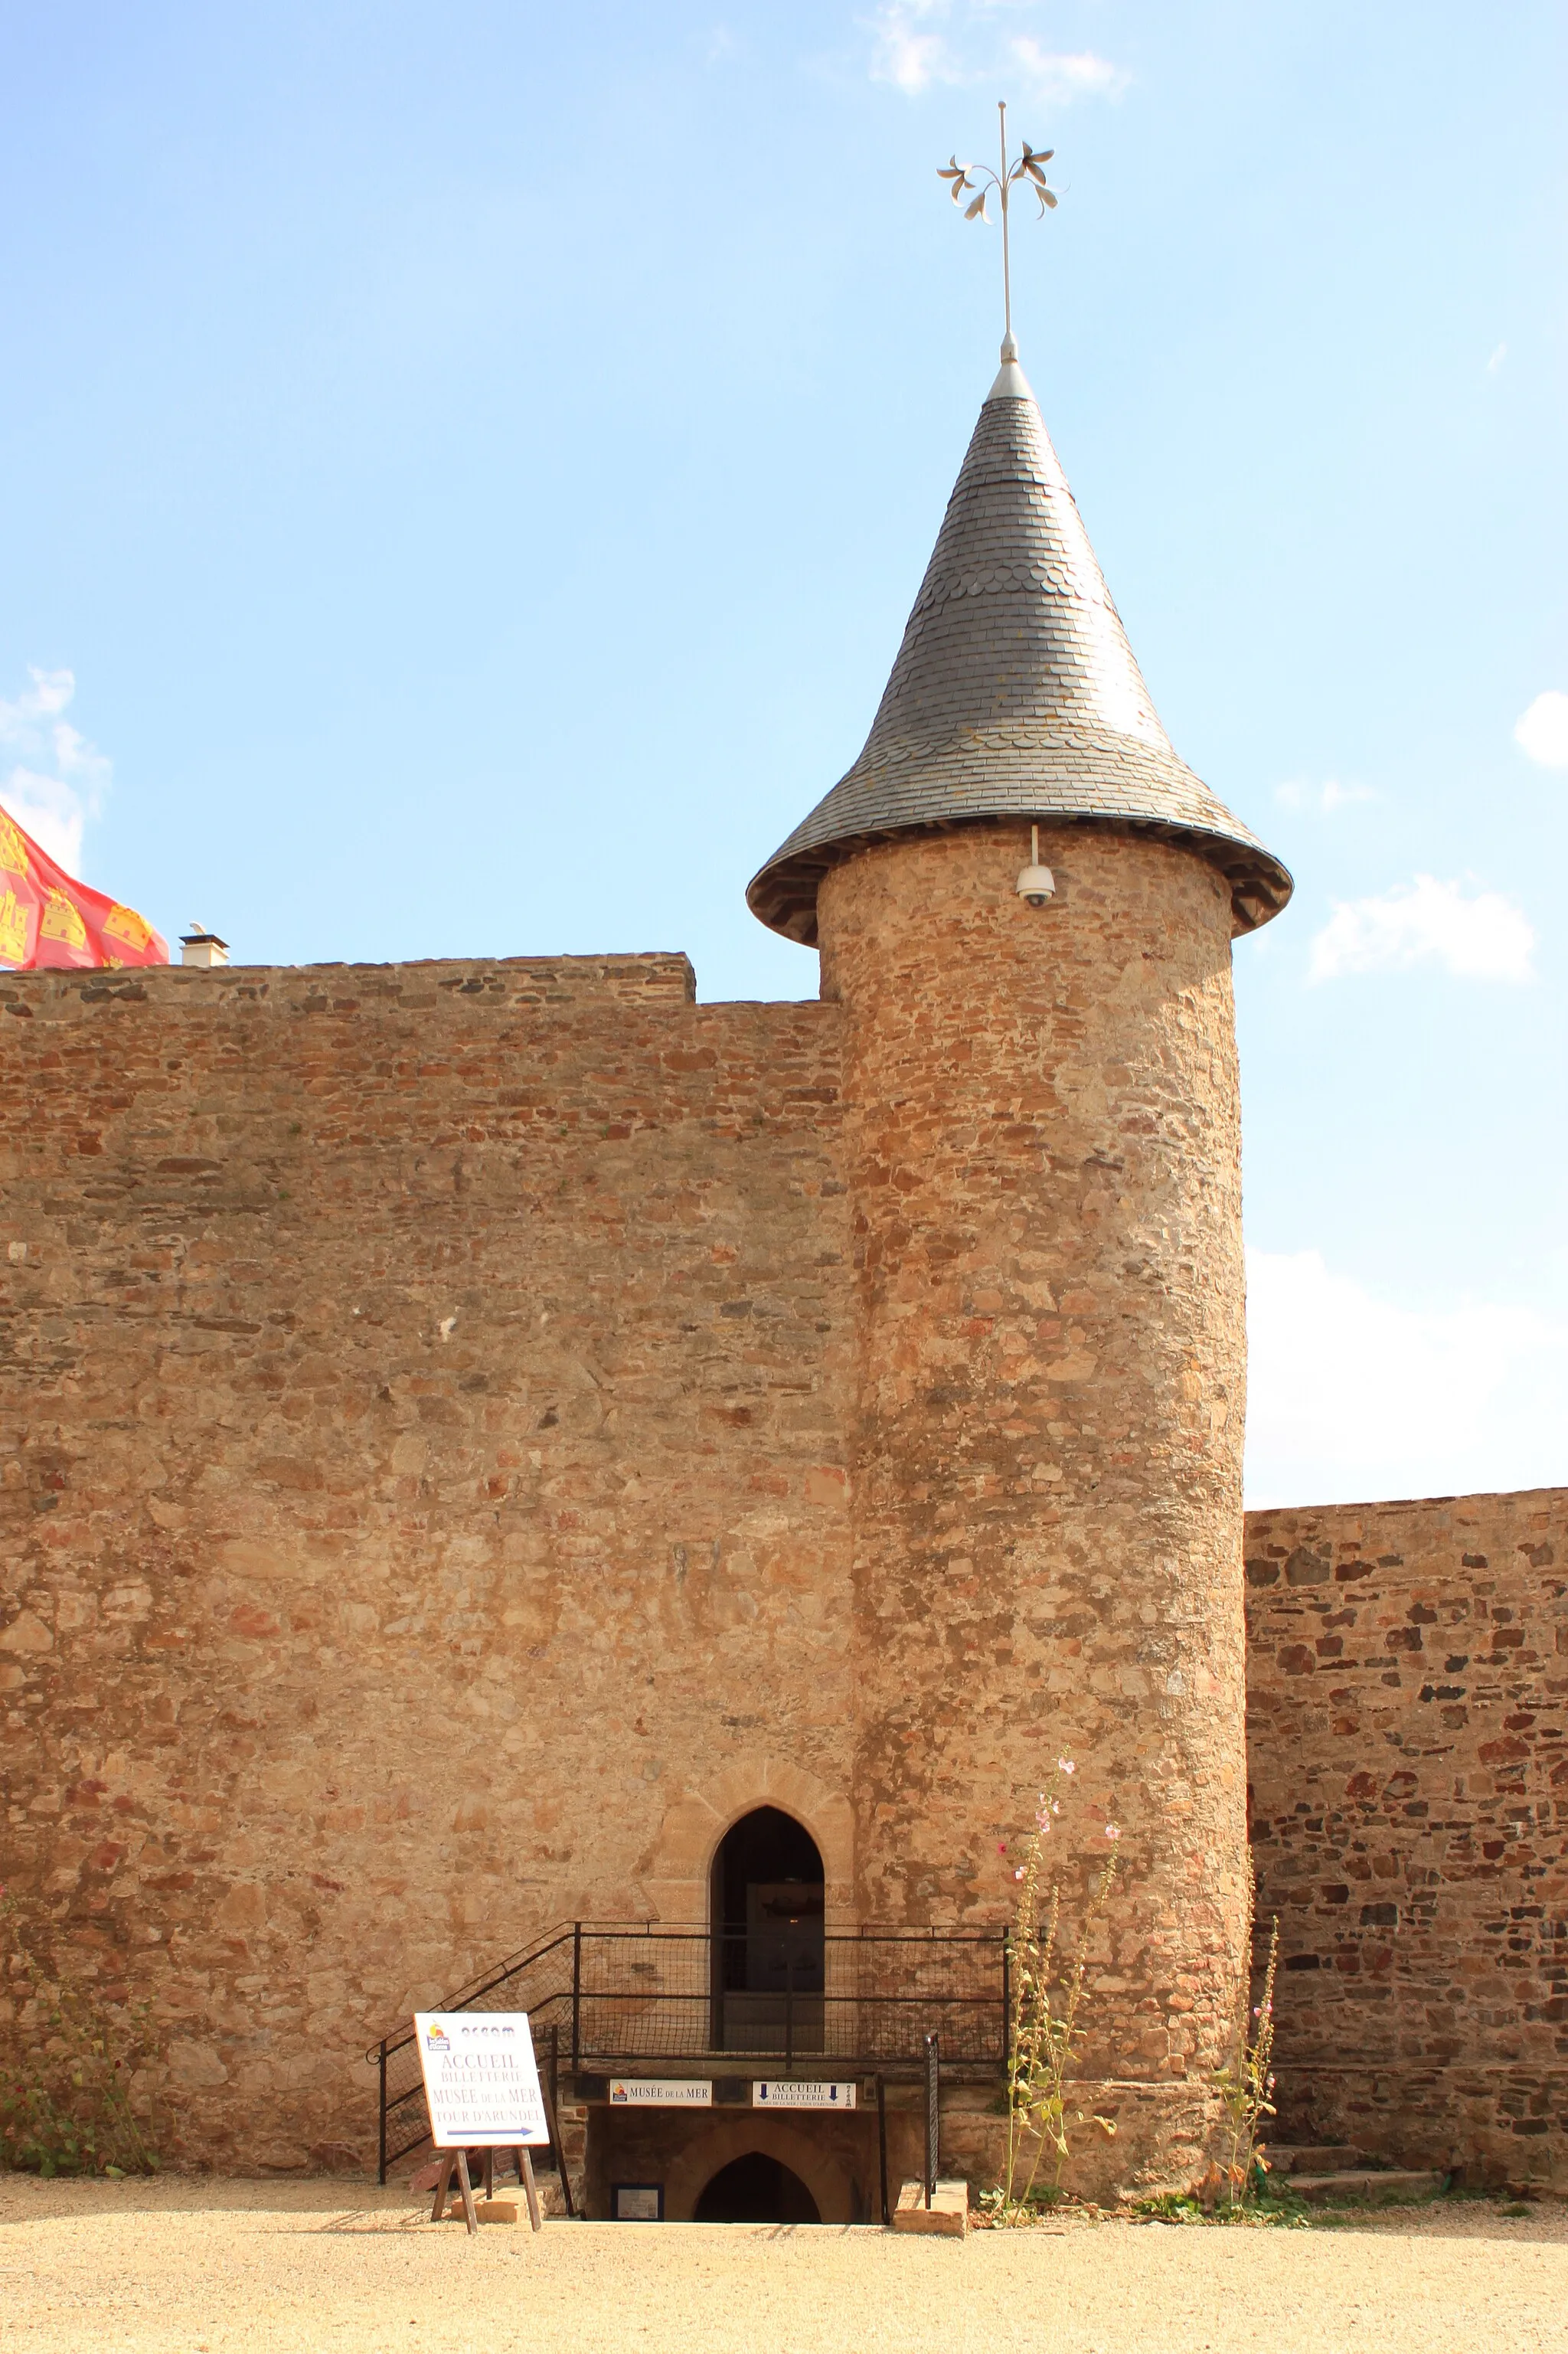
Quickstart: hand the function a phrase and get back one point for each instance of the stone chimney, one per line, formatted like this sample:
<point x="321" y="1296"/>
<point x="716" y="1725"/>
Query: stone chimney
<point x="199" y="946"/>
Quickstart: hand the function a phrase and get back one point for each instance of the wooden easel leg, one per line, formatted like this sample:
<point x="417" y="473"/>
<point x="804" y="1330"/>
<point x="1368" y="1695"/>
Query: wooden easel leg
<point x="470" y="2217"/>
<point x="490" y="2174"/>
<point x="443" y="2184"/>
<point x="532" y="2188"/>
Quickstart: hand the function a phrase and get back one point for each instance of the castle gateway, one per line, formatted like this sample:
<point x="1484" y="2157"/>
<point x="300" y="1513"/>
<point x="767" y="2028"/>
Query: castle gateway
<point x="520" y="1484"/>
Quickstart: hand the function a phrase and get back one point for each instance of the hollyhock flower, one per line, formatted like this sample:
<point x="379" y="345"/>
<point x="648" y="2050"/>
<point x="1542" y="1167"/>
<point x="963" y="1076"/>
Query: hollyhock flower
<point x="1019" y="1873"/>
<point x="1113" y="1830"/>
<point x="1066" y="1765"/>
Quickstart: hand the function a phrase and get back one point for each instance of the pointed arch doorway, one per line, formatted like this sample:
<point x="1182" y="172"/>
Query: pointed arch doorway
<point x="756" y="2189"/>
<point x="766" y="1906"/>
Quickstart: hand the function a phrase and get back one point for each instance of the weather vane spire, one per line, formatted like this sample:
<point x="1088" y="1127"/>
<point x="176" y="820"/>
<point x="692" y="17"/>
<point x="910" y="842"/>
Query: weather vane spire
<point x="976" y="181"/>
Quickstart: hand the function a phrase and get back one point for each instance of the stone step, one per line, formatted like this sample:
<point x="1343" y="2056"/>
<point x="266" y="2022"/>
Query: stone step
<point x="1312" y="2158"/>
<point x="487" y="2210"/>
<point x="948" y="2216"/>
<point x="1368" y="2184"/>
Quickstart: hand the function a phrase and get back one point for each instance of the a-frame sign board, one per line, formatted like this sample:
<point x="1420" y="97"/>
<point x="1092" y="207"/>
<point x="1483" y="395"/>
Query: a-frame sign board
<point x="482" y="2092"/>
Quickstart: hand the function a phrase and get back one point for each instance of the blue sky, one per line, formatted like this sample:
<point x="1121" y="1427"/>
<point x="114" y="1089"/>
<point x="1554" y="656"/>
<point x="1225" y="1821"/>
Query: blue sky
<point x="465" y="470"/>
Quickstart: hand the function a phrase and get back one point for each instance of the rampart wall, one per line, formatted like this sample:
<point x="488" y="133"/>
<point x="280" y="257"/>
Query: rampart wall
<point x="1408" y="1760"/>
<point x="427" y="1395"/>
<point x="423" y="1392"/>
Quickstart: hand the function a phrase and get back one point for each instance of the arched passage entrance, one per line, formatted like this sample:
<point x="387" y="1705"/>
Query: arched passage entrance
<point x="836" y="2164"/>
<point x="756" y="2189"/>
<point x="765" y="1905"/>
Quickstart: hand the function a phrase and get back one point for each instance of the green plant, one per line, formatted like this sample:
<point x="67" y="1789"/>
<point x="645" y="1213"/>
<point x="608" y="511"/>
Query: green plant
<point x="66" y="2072"/>
<point x="1270" y="2203"/>
<point x="994" y="2207"/>
<point x="1043" y="2016"/>
<point x="1244" y="2082"/>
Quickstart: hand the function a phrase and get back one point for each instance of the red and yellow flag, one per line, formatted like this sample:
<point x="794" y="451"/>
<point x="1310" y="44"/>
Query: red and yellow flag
<point x="49" y="921"/>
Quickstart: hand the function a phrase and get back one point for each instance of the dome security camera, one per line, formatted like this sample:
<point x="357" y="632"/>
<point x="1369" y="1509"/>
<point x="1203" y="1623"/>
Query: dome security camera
<point x="1035" y="884"/>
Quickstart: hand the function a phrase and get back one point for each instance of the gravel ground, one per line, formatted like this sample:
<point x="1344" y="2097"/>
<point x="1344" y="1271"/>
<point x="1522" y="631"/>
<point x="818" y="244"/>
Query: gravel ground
<point x="224" y="2267"/>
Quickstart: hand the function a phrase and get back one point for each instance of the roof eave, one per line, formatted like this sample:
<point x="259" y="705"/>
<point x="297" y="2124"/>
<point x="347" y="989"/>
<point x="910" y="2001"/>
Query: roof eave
<point x="783" y="893"/>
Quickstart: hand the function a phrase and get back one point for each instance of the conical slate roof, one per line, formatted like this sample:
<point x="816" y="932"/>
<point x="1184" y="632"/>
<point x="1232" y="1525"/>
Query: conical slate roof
<point x="1015" y="693"/>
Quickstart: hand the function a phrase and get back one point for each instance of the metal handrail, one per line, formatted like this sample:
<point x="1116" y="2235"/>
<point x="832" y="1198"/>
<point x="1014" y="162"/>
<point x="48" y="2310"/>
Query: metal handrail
<point x="470" y="1994"/>
<point x="869" y="1998"/>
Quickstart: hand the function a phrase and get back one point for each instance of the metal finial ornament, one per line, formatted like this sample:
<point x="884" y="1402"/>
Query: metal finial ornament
<point x="1028" y="168"/>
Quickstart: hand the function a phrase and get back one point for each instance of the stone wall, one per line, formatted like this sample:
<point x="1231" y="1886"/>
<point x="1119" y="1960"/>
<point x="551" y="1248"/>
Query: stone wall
<point x="429" y="1401"/>
<point x="423" y="1394"/>
<point x="1408" y="1757"/>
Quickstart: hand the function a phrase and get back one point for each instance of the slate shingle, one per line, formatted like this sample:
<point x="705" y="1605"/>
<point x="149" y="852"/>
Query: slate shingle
<point x="1015" y="694"/>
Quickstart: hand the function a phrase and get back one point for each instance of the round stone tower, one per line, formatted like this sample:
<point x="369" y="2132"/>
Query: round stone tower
<point x="1044" y="1160"/>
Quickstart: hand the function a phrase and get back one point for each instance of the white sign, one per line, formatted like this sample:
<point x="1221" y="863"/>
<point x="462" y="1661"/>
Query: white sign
<point x="785" y="2092"/>
<point x="661" y="2092"/>
<point x="482" y="2087"/>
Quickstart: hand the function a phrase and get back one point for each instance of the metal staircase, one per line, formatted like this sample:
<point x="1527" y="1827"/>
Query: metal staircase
<point x="627" y="1998"/>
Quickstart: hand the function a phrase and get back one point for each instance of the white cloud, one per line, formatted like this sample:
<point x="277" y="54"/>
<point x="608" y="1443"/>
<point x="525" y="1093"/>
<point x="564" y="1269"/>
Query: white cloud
<point x="1352" y="1398"/>
<point x="1054" y="74"/>
<point x="903" y="53"/>
<point x="1323" y="799"/>
<point x="1542" y="731"/>
<point x="50" y="692"/>
<point x="1484" y="937"/>
<point x="59" y="783"/>
<point x="917" y="43"/>
<point x="1496" y="359"/>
